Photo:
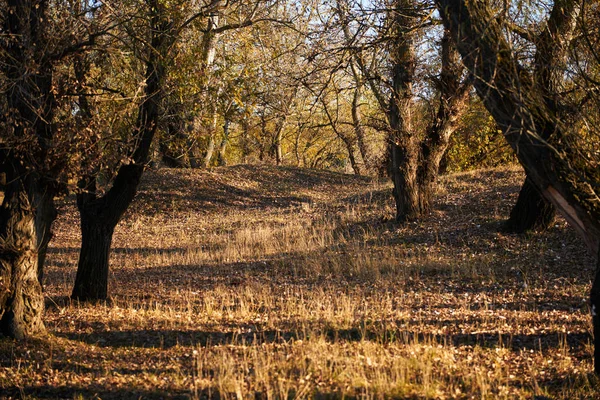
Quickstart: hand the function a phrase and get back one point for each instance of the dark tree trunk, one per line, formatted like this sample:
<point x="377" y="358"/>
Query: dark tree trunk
<point x="99" y="217"/>
<point x="525" y="110"/>
<point x="91" y="282"/>
<point x="44" y="217"/>
<point x="531" y="211"/>
<point x="27" y="211"/>
<point x="21" y="298"/>
<point x="595" y="306"/>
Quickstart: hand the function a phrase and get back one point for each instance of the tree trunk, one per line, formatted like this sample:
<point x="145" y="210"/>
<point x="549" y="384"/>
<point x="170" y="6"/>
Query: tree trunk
<point x="21" y="298"/>
<point x="27" y="211"/>
<point x="520" y="108"/>
<point x="91" y="282"/>
<point x="595" y="306"/>
<point x="403" y="147"/>
<point x="44" y="217"/>
<point x="531" y="211"/>
<point x="350" y="148"/>
<point x="415" y="162"/>
<point x="361" y="136"/>
<point x="223" y="147"/>
<point x="525" y="110"/>
<point x="99" y="217"/>
<point x="210" y="150"/>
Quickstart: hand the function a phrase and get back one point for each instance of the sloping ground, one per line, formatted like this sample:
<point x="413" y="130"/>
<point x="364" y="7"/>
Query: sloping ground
<point x="265" y="282"/>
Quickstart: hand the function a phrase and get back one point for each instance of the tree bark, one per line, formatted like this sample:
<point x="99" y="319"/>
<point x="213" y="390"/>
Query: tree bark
<point x="99" y="217"/>
<point x="403" y="143"/>
<point x="91" y="282"/>
<point x="531" y="212"/>
<point x="21" y="298"/>
<point x="45" y="214"/>
<point x="27" y="211"/>
<point x="520" y="108"/>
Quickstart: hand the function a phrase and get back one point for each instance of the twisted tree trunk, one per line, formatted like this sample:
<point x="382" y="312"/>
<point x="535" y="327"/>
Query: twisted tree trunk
<point x="21" y="298"/>
<point x="27" y="210"/>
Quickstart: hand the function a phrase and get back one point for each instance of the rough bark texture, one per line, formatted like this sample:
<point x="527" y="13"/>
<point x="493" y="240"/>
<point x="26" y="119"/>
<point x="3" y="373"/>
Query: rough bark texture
<point x="100" y="215"/>
<point x="531" y="212"/>
<point x="21" y="299"/>
<point x="414" y="163"/>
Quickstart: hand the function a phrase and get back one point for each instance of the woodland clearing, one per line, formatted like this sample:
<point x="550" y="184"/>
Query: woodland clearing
<point x="281" y="282"/>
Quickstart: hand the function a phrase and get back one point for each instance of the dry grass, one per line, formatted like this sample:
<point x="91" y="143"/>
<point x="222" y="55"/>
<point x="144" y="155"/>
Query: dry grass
<point x="259" y="282"/>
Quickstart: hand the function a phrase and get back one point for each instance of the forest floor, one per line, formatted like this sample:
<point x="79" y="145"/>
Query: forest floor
<point x="265" y="282"/>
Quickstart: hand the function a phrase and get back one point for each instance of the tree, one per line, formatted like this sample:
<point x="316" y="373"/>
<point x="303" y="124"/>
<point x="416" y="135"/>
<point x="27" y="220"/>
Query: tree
<point x="556" y="153"/>
<point x="415" y="157"/>
<point x="34" y="149"/>
<point x="100" y="213"/>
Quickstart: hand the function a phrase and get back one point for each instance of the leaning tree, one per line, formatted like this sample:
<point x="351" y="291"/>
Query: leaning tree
<point x="558" y="150"/>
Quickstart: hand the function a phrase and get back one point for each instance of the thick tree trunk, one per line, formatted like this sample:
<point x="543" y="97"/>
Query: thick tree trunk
<point x="91" y="282"/>
<point x="404" y="159"/>
<point x="99" y="217"/>
<point x="403" y="142"/>
<point x="21" y="298"/>
<point x="525" y="109"/>
<point x="531" y="211"/>
<point x="27" y="212"/>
